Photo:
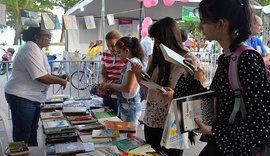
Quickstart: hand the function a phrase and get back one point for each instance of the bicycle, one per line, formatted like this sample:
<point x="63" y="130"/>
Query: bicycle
<point x="84" y="78"/>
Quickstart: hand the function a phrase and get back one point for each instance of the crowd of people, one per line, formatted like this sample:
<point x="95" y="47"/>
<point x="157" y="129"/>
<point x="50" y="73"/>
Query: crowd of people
<point x="126" y="62"/>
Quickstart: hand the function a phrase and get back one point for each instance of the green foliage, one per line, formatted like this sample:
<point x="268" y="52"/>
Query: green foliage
<point x="263" y="2"/>
<point x="14" y="7"/>
<point x="192" y="27"/>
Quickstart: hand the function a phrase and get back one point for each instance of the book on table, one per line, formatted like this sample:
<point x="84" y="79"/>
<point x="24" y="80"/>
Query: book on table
<point x="175" y="58"/>
<point x="90" y="126"/>
<point x="69" y="148"/>
<point x="52" y="106"/>
<point x="107" y="114"/>
<point x="61" y="138"/>
<point x="17" y="148"/>
<point x="51" y="115"/>
<point x="74" y="107"/>
<point x="129" y="143"/>
<point x="121" y="126"/>
<point x="79" y="118"/>
<point x="89" y="138"/>
<point x="103" y="151"/>
<point x="143" y="150"/>
<point x="55" y="125"/>
<point x="105" y="133"/>
<point x="201" y="106"/>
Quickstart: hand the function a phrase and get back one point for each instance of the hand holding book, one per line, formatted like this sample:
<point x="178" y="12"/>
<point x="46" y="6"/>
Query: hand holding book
<point x="203" y="128"/>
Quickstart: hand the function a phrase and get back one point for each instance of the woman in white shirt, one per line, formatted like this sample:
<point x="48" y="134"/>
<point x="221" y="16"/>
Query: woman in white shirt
<point x="27" y="86"/>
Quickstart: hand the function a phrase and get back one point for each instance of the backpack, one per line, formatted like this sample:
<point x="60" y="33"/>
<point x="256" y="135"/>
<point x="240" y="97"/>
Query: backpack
<point x="239" y="102"/>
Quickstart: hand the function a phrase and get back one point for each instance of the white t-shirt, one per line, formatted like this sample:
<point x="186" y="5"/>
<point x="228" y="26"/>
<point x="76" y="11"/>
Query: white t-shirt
<point x="147" y="45"/>
<point x="29" y="64"/>
<point x="209" y="45"/>
<point x="136" y="89"/>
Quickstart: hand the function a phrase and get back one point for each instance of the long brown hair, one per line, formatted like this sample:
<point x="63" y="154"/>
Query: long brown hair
<point x="167" y="32"/>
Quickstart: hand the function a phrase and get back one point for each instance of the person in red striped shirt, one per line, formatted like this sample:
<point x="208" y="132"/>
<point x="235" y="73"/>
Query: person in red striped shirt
<point x="111" y="66"/>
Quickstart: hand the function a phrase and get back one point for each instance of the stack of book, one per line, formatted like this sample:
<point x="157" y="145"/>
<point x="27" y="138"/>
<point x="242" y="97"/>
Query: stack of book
<point x="105" y="134"/>
<point x="103" y="151"/>
<point x="52" y="106"/>
<point x="58" y="131"/>
<point x="121" y="126"/>
<point x="90" y="126"/>
<point x="17" y="148"/>
<point x="74" y="107"/>
<point x="129" y="143"/>
<point x="84" y="119"/>
<point x="51" y="115"/>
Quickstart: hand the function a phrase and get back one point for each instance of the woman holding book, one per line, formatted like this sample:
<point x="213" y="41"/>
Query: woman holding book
<point x="228" y="22"/>
<point x="166" y="74"/>
<point x="128" y="91"/>
<point x="28" y="84"/>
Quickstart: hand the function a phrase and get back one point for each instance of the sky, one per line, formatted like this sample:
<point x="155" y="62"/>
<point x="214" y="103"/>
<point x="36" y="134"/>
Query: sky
<point x="9" y="34"/>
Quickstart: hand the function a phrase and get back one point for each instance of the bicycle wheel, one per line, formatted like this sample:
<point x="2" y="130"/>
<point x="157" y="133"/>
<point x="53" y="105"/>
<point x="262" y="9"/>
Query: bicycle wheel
<point x="79" y="80"/>
<point x="3" y="68"/>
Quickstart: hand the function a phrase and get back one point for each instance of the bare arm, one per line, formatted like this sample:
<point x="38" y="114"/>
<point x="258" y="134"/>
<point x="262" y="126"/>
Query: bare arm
<point x="103" y="74"/>
<point x="49" y="79"/>
<point x="127" y="87"/>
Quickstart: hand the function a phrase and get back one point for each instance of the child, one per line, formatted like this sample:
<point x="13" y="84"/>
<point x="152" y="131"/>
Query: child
<point x="128" y="95"/>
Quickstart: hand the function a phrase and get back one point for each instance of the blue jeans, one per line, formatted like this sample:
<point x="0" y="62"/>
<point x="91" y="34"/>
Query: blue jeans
<point x="25" y="117"/>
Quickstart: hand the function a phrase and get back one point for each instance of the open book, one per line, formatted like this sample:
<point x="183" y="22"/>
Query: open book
<point x="152" y="85"/>
<point x="201" y="106"/>
<point x="175" y="58"/>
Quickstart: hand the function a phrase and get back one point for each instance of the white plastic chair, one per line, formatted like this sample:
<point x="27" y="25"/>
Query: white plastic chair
<point x="7" y="129"/>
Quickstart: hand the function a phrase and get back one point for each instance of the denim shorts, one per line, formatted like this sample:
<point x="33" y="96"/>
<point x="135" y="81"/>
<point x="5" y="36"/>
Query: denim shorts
<point x="130" y="110"/>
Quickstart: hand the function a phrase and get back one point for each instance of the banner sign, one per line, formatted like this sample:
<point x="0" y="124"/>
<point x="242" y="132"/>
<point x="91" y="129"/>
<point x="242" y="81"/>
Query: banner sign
<point x="188" y="14"/>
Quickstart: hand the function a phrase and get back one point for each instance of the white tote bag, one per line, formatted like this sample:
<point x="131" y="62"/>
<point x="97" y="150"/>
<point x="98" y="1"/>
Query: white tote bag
<point x="170" y="138"/>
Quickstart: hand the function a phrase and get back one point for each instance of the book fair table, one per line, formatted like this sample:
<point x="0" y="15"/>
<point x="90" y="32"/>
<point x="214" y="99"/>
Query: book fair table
<point x="84" y="127"/>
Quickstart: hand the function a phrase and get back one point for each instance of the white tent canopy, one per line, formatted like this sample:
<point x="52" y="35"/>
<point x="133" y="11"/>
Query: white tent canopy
<point x="80" y="39"/>
<point x="129" y="8"/>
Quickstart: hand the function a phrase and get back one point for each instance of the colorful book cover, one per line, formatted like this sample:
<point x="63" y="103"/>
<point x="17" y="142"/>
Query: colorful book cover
<point x="53" y="106"/>
<point x="79" y="118"/>
<point x="102" y="151"/>
<point x="18" y="148"/>
<point x="129" y="143"/>
<point x="89" y="138"/>
<point x="51" y="124"/>
<point x="95" y="125"/>
<point x="108" y="114"/>
<point x="122" y="127"/>
<point x="105" y="134"/>
<point x="51" y="115"/>
<point x="83" y="121"/>
<point x="201" y="106"/>
<point x="69" y="148"/>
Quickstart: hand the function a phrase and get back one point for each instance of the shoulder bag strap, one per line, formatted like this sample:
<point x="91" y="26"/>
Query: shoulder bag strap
<point x="236" y="84"/>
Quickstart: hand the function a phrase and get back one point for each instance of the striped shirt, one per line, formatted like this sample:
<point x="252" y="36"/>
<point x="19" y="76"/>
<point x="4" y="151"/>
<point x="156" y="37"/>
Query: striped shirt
<point x="113" y="65"/>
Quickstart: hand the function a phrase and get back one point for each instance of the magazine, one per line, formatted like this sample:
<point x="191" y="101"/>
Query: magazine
<point x="201" y="106"/>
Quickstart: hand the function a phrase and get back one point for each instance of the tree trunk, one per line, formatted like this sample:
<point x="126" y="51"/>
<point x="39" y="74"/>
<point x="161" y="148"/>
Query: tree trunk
<point x="62" y="39"/>
<point x="17" y="36"/>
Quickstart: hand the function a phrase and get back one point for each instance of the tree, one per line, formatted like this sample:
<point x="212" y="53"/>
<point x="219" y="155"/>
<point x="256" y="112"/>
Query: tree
<point x="14" y="7"/>
<point x="263" y="2"/>
<point x="13" y="13"/>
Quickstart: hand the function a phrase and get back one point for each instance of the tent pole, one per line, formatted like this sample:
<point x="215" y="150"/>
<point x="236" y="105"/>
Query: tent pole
<point x="103" y="24"/>
<point x="140" y="19"/>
